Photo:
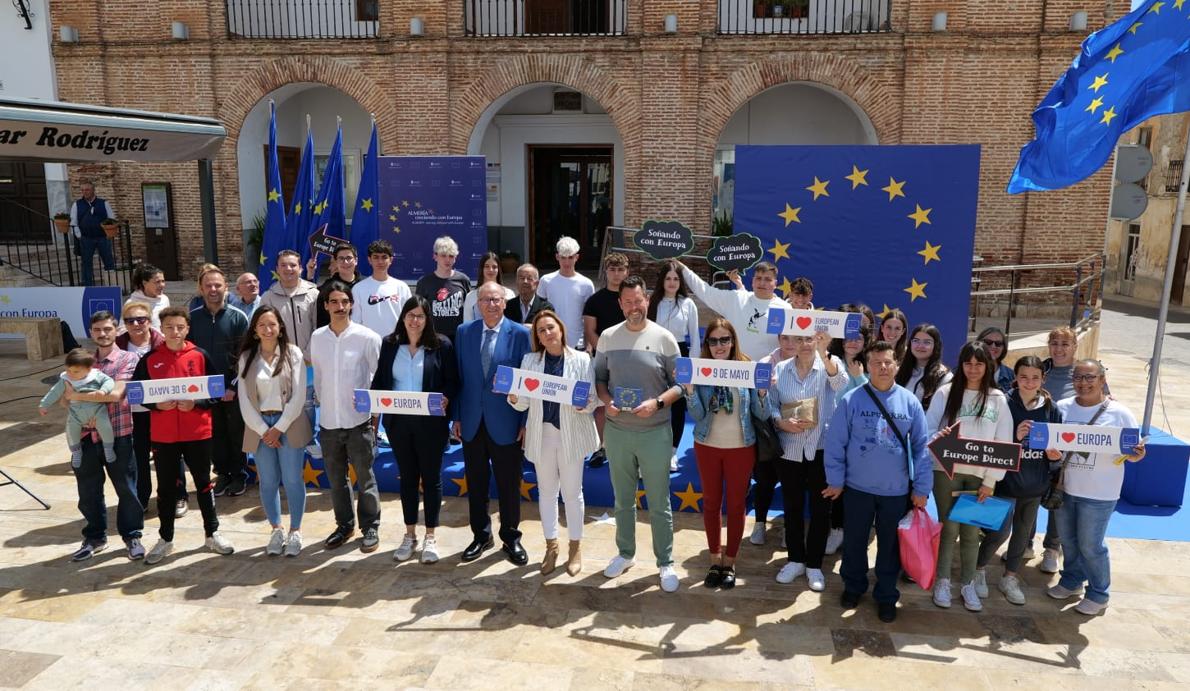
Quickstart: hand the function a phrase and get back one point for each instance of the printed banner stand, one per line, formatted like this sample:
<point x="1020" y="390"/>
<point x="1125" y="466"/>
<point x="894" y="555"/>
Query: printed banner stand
<point x="750" y="375"/>
<point x="793" y="322"/>
<point x="399" y="402"/>
<point x="176" y="389"/>
<point x="1088" y="438"/>
<point x="512" y="380"/>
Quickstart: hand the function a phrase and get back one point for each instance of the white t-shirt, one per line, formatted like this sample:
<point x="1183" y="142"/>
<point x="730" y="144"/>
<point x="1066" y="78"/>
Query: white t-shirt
<point x="1096" y="475"/>
<point x="568" y="294"/>
<point x="746" y="312"/>
<point x="995" y="424"/>
<point x="378" y="304"/>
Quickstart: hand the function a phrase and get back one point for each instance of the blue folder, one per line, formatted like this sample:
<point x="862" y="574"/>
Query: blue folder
<point x="991" y="514"/>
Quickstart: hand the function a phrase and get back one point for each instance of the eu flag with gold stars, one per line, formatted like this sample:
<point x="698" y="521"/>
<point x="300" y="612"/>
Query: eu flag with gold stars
<point x="888" y="226"/>
<point x="1125" y="73"/>
<point x="275" y="237"/>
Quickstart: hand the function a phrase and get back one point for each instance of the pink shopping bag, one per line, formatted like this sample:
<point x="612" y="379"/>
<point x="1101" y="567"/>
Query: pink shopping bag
<point x="919" y="535"/>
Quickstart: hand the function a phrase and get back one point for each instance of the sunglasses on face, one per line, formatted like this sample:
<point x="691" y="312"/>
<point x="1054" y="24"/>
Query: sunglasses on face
<point x="136" y="320"/>
<point x="993" y="344"/>
<point x="721" y="341"/>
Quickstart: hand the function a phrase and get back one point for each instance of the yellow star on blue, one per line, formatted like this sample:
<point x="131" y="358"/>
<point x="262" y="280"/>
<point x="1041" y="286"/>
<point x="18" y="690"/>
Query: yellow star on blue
<point x="310" y="474"/>
<point x="883" y="314"/>
<point x="920" y="216"/>
<point x="640" y="495"/>
<point x="1099" y="82"/>
<point x="462" y="483"/>
<point x="526" y="487"/>
<point x="392" y="217"/>
<point x="274" y="195"/>
<point x="1108" y="115"/>
<point x="297" y="208"/>
<point x="1114" y="53"/>
<point x="366" y="205"/>
<point x="786" y="287"/>
<point x="263" y="259"/>
<point x="895" y="189"/>
<point x="930" y="252"/>
<point x="790" y="215"/>
<point x="1156" y="8"/>
<point x="858" y="177"/>
<point x="916" y="290"/>
<point x="319" y="207"/>
<point x="688" y="498"/>
<point x="779" y="250"/>
<point x="819" y="188"/>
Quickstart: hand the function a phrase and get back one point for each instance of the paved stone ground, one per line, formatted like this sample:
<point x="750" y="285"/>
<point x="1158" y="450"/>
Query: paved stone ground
<point x="336" y="619"/>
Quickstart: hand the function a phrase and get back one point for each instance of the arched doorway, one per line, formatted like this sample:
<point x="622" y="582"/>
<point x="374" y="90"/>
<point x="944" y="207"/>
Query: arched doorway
<point x="555" y="167"/>
<point x="790" y="113"/>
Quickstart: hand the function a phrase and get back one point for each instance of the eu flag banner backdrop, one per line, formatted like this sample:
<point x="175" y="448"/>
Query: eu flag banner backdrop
<point x="425" y="197"/>
<point x="888" y="226"/>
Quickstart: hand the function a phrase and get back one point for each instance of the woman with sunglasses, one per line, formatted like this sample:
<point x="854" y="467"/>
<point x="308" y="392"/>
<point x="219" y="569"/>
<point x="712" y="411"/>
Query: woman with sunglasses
<point x="974" y="400"/>
<point x="489" y="271"/>
<point x="996" y="342"/>
<point x="725" y="451"/>
<point x="921" y="370"/>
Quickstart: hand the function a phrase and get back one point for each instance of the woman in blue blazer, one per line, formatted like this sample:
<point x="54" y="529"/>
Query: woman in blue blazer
<point x="416" y="358"/>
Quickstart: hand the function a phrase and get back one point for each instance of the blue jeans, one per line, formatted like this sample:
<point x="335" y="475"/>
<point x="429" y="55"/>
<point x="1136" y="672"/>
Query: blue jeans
<point x="88" y="247"/>
<point x="1082" y="525"/>
<point x="277" y="466"/>
<point x="130" y="515"/>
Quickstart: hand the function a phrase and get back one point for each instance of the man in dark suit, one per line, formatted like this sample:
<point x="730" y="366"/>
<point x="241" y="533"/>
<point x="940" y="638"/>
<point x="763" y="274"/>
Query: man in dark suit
<point x="528" y="303"/>
<point x="491" y="429"/>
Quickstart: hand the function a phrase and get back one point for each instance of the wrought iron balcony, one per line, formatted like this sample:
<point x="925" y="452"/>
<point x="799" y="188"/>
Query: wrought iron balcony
<point x="804" y="16"/>
<point x="291" y="19"/>
<point x="544" y="17"/>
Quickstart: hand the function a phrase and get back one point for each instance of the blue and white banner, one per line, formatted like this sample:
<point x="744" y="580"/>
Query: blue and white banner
<point x="547" y="387"/>
<point x="74" y="306"/>
<point x="750" y="375"/>
<point x="401" y="402"/>
<point x="177" y="389"/>
<point x="791" y="322"/>
<point x="1090" y="438"/>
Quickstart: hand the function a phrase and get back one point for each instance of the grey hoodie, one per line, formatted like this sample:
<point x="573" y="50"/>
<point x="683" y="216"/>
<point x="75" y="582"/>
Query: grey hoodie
<point x="297" y="311"/>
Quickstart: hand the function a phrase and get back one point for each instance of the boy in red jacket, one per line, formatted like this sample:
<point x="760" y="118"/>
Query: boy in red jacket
<point x="181" y="430"/>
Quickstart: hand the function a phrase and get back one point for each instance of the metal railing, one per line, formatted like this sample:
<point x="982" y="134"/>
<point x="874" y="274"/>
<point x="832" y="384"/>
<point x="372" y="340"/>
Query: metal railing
<point x="1084" y="289"/>
<point x="55" y="258"/>
<point x="487" y="18"/>
<point x="804" y="16"/>
<point x="286" y="19"/>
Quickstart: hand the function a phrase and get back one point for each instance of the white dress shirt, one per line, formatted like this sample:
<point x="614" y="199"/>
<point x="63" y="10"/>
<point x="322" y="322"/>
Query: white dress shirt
<point x="343" y="363"/>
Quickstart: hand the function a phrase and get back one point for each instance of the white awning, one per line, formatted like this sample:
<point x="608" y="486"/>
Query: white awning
<point x="56" y="132"/>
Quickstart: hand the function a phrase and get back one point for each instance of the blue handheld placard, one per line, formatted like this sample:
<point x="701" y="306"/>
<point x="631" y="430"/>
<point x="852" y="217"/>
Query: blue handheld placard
<point x="581" y="394"/>
<point x="764" y="375"/>
<point x="503" y="380"/>
<point x="990" y="514"/>
<point x="683" y="370"/>
<point x="363" y="402"/>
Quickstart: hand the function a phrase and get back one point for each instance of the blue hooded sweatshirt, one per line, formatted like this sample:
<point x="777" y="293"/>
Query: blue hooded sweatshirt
<point x="862" y="453"/>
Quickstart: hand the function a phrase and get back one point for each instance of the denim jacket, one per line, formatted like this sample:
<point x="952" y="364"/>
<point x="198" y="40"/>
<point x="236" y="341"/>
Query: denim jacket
<point x="697" y="406"/>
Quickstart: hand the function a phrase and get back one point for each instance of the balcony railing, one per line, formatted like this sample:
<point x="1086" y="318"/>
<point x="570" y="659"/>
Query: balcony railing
<point x="544" y="17"/>
<point x="303" y="18"/>
<point x="804" y="16"/>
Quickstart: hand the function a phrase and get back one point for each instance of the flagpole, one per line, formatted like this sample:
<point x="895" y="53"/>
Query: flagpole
<point x="1163" y="311"/>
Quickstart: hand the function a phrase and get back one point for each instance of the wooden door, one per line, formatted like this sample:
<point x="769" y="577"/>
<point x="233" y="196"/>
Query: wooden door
<point x="24" y="206"/>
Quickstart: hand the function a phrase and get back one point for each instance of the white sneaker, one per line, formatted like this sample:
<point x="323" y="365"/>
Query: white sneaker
<point x="942" y="593"/>
<point x="1049" y="561"/>
<point x="219" y="544"/>
<point x="1089" y="607"/>
<point x="1060" y="593"/>
<point x="429" y="550"/>
<point x="981" y="583"/>
<point x="816" y="579"/>
<point x="276" y="542"/>
<point x="160" y="551"/>
<point x="1027" y="555"/>
<point x="757" y="537"/>
<point x="405" y="551"/>
<point x="1011" y="587"/>
<point x="673" y="463"/>
<point x="834" y="541"/>
<point x="669" y="579"/>
<point x="617" y="566"/>
<point x="790" y="571"/>
<point x="293" y="545"/>
<point x="971" y="597"/>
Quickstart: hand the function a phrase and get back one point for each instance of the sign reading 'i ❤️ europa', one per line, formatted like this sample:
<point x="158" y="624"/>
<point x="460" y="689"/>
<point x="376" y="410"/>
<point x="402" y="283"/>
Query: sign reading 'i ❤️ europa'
<point x="749" y="375"/>
<point x="1091" y="438"/>
<point x="809" y="322"/>
<point x="401" y="402"/>
<point x="178" y="389"/>
<point x="523" y="382"/>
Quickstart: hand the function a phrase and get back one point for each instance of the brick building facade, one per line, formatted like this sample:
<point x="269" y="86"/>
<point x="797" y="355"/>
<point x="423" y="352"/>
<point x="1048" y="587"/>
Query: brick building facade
<point x="669" y="95"/>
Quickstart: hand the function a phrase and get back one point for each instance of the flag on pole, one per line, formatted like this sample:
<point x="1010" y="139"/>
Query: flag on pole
<point x="329" y="218"/>
<point x="365" y="221"/>
<point x="1125" y="73"/>
<point x="275" y="237"/>
<point x="301" y="209"/>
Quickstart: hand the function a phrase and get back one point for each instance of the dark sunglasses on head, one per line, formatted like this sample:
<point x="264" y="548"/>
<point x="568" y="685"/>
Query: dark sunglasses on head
<point x="135" y="320"/>
<point x="722" y="341"/>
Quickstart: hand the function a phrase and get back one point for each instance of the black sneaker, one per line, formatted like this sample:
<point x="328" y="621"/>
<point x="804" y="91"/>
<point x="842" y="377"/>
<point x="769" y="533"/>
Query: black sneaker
<point x="714" y="577"/>
<point x="88" y="550"/>
<point x="849" y="600"/>
<point x="371" y="541"/>
<point x="886" y="611"/>
<point x="237" y="486"/>
<point x="342" y="534"/>
<point x="597" y="459"/>
<point x="221" y="485"/>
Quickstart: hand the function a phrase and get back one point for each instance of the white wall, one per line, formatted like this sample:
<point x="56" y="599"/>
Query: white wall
<point x="797" y="114"/>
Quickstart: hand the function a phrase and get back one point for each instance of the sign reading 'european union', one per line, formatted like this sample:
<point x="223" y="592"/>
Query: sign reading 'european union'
<point x="888" y="226"/>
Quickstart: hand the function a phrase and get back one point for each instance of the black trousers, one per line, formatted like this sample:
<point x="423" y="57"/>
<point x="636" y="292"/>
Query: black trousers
<point x="197" y="456"/>
<point x="143" y="449"/>
<point x="798" y="480"/>
<point x="765" y="477"/>
<point x="483" y="458"/>
<point x="417" y="442"/>
<point x="227" y="440"/>
<point x="864" y="509"/>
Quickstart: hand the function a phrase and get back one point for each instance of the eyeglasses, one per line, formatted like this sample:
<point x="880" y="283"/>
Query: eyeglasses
<point x="491" y="301"/>
<point x="721" y="341"/>
<point x="415" y="317"/>
<point x="1085" y="377"/>
<point x="346" y="259"/>
<point x="136" y="320"/>
<point x="992" y="344"/>
<point x="922" y="342"/>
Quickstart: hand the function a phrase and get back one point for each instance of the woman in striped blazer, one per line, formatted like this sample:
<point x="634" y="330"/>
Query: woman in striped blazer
<point x="558" y="437"/>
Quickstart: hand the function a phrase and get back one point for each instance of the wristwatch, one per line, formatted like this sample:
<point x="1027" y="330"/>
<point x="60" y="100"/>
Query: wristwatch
<point x="660" y="403"/>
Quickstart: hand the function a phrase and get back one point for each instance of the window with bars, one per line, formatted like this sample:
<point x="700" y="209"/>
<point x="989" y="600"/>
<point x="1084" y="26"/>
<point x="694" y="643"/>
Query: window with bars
<point x="1173" y="175"/>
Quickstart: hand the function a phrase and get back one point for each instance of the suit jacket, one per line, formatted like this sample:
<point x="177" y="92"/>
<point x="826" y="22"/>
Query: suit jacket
<point x="476" y="401"/>
<point x="440" y="372"/>
<point x="512" y="310"/>
<point x="577" y="427"/>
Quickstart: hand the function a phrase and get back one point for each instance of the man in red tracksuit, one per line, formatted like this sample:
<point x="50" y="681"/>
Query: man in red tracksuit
<point x="180" y="430"/>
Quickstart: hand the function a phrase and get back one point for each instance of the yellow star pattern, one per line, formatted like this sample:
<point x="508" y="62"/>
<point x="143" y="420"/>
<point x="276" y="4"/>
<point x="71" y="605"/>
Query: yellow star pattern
<point x="916" y="290"/>
<point x="526" y="487"/>
<point x="790" y="215"/>
<point x="786" y="287"/>
<point x="405" y="204"/>
<point x="310" y="475"/>
<point x="275" y="276"/>
<point x="858" y="177"/>
<point x="1099" y="83"/>
<point x="1156" y="8"/>
<point x="1177" y="4"/>
<point x="930" y="252"/>
<point x="895" y="189"/>
<point x="392" y="217"/>
<point x="366" y="205"/>
<point x="462" y="483"/>
<point x="779" y="250"/>
<point x="688" y="498"/>
<point x="1108" y="115"/>
<point x="1114" y="53"/>
<point x="884" y="312"/>
<point x="319" y="207"/>
<point x="297" y="208"/>
<point x="351" y="476"/>
<point x="640" y="495"/>
<point x="1132" y="29"/>
<point x="1094" y="104"/>
<point x="920" y="216"/>
<point x="819" y="188"/>
<point x="396" y="208"/>
<point x="416" y="205"/>
<point x="274" y="195"/>
<point x="396" y="229"/>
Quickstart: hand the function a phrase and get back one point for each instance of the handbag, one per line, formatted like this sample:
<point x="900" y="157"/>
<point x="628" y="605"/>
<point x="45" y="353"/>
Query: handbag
<point x="1055" y="494"/>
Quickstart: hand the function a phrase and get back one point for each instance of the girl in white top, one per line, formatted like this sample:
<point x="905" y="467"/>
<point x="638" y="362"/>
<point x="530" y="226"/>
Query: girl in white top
<point x="272" y="393"/>
<point x="974" y="400"/>
<point x="150" y="290"/>
<point x="489" y="271"/>
<point x="670" y="306"/>
<point x="921" y="370"/>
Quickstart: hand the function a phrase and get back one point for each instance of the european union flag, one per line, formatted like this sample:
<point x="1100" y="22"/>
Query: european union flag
<point x="889" y="226"/>
<point x="275" y="237"/>
<point x="328" y="210"/>
<point x="1126" y="73"/>
<point x="365" y="221"/>
<point x="301" y="212"/>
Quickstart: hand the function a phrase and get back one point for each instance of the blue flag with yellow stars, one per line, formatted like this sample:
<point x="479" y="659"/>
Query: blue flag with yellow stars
<point x="365" y="222"/>
<point x="328" y="209"/>
<point x="1125" y="73"/>
<point x="301" y="208"/>
<point x="888" y="226"/>
<point x="275" y="237"/>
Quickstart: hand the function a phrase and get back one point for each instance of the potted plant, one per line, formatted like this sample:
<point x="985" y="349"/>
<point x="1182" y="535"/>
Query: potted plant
<point x="254" y="242"/>
<point x="110" y="227"/>
<point x="760" y="9"/>
<point x="721" y="225"/>
<point x="62" y="222"/>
